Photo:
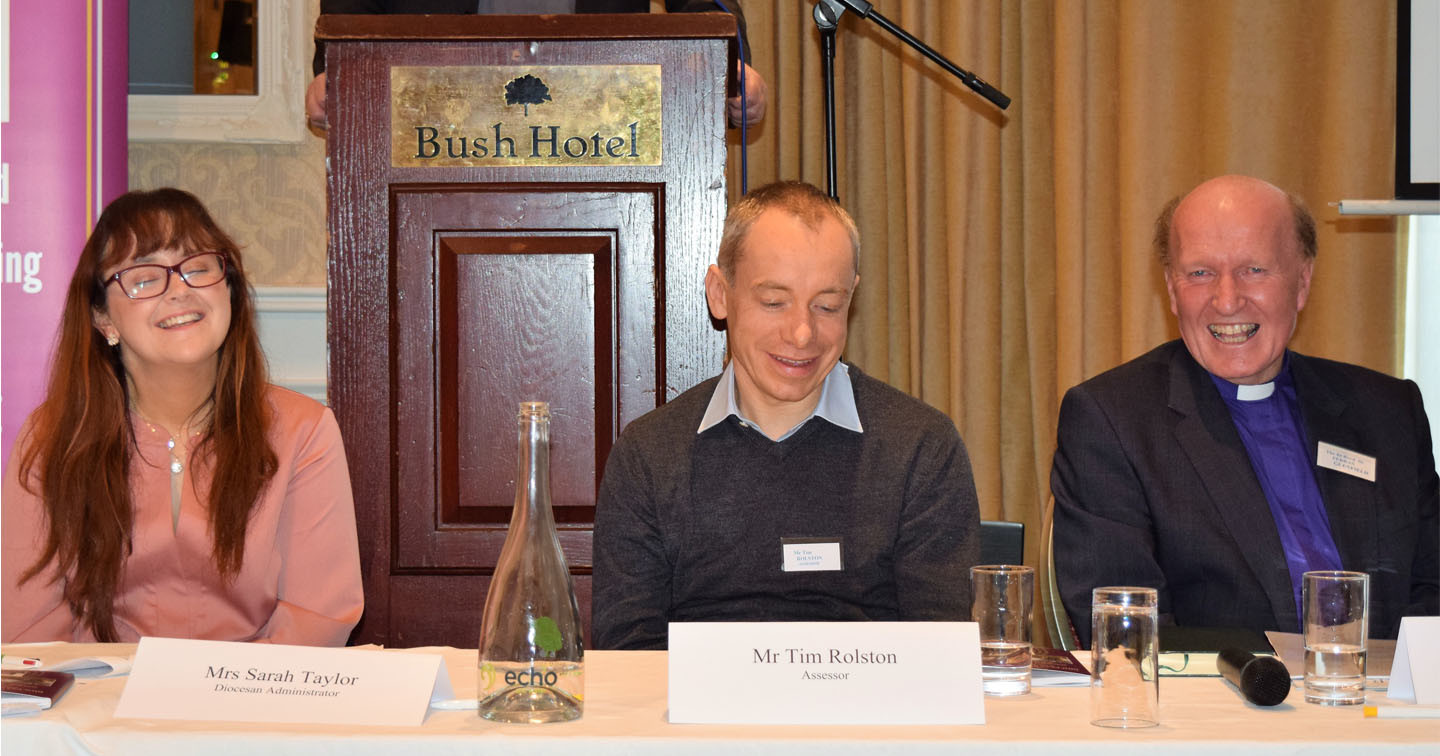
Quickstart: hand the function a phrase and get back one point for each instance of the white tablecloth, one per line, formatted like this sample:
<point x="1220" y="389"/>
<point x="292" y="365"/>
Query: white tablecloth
<point x="625" y="714"/>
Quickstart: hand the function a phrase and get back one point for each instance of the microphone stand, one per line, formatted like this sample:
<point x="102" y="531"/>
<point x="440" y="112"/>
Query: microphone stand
<point x="827" y="18"/>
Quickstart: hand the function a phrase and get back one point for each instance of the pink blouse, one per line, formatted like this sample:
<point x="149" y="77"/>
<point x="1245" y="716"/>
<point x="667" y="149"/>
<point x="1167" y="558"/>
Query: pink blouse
<point x="300" y="580"/>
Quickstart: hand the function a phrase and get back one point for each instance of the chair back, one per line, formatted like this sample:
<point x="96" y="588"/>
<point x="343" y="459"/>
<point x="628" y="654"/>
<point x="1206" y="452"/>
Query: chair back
<point x="1002" y="542"/>
<point x="1057" y="622"/>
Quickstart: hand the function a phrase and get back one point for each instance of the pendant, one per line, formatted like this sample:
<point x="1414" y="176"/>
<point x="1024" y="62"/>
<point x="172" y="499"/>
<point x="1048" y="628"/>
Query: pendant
<point x="175" y="466"/>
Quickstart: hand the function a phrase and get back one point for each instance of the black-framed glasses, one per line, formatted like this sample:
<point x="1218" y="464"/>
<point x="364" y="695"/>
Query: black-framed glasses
<point x="150" y="280"/>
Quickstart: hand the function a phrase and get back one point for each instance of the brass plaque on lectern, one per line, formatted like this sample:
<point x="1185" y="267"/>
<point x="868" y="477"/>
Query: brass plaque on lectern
<point x="447" y="116"/>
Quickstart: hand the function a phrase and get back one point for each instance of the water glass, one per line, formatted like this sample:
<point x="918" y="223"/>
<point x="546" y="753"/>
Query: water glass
<point x="1336" y="625"/>
<point x="1003" y="597"/>
<point x="1125" y="657"/>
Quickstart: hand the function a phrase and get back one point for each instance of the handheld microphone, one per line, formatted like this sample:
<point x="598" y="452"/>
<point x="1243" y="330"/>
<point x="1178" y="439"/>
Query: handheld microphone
<point x="1262" y="680"/>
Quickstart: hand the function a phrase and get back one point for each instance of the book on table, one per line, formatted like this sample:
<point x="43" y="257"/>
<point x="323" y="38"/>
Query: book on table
<point x="30" y="690"/>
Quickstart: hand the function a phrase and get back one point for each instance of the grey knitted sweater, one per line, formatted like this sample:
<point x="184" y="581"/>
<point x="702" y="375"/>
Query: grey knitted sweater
<point x="688" y="526"/>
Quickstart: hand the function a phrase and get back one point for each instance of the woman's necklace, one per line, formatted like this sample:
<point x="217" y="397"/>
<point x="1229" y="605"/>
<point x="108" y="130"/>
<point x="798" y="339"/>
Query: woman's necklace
<point x="177" y="443"/>
<point x="177" y="453"/>
<point x="177" y="448"/>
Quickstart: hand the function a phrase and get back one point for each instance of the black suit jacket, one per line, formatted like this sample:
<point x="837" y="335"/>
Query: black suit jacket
<point x="1153" y="487"/>
<point x="365" y="7"/>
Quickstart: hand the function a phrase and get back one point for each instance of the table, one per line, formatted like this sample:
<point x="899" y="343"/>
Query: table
<point x="625" y="714"/>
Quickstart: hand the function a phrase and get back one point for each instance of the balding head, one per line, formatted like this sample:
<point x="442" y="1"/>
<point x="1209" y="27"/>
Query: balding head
<point x="1236" y="188"/>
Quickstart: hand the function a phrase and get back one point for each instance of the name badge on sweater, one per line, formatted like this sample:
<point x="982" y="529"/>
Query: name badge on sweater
<point x="810" y="555"/>
<point x="1343" y="460"/>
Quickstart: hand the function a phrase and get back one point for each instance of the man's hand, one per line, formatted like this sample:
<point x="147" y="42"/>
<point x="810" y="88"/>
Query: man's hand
<point x="756" y="96"/>
<point x="315" y="103"/>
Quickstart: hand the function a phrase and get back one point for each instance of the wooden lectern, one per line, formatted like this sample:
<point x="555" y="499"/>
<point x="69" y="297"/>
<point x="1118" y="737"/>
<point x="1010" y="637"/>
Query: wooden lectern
<point x="521" y="208"/>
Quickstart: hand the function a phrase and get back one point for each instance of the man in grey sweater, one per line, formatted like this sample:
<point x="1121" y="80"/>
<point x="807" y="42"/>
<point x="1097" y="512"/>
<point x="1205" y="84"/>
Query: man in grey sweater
<point x="791" y="487"/>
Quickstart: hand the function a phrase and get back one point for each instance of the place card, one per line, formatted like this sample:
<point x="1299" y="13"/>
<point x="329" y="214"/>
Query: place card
<point x="259" y="682"/>
<point x="1415" y="673"/>
<point x="825" y="673"/>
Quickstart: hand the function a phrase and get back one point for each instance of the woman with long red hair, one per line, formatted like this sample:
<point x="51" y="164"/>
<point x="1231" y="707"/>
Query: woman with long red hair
<point x="164" y="487"/>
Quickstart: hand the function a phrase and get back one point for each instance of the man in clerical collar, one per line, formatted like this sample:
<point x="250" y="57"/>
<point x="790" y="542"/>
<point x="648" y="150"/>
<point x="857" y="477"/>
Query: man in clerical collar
<point x="1221" y="467"/>
<point x="792" y="486"/>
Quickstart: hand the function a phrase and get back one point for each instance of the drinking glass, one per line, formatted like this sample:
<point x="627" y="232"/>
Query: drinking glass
<point x="1336" y="625"/>
<point x="1003" y="597"/>
<point x="1125" y="657"/>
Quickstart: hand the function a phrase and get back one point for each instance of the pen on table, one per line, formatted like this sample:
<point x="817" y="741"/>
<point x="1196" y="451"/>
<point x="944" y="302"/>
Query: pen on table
<point x="1402" y="712"/>
<point x="24" y="661"/>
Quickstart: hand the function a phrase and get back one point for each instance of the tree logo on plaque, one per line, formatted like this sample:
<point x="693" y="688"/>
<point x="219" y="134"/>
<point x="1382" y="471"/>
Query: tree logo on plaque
<point x="526" y="90"/>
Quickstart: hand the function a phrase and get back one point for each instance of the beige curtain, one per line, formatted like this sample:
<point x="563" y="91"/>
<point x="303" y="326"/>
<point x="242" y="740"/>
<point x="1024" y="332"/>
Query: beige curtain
<point x="1006" y="254"/>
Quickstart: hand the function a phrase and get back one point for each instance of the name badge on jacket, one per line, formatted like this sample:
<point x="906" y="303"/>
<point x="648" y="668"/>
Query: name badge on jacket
<point x="810" y="555"/>
<point x="1340" y="459"/>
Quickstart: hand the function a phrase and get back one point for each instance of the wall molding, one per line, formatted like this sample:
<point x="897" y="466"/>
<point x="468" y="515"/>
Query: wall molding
<point x="292" y="326"/>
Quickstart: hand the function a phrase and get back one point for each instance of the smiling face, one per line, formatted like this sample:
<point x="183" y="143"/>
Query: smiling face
<point x="1237" y="278"/>
<point x="785" y="312"/>
<point x="180" y="329"/>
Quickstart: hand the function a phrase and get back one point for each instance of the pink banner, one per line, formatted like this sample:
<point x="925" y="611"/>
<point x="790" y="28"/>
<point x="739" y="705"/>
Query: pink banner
<point x="62" y="145"/>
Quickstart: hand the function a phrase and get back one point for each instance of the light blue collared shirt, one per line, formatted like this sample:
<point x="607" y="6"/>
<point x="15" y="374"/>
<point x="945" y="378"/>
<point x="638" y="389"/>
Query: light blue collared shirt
<point x="836" y="405"/>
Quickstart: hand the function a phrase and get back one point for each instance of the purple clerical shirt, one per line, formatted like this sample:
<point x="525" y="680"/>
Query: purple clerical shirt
<point x="1268" y="419"/>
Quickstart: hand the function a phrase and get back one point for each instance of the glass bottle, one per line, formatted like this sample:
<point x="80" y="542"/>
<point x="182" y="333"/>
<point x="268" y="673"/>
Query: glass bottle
<point x="531" y="648"/>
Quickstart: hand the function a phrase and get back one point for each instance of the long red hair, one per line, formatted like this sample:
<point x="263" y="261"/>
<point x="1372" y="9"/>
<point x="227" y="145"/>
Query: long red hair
<point x="76" y="451"/>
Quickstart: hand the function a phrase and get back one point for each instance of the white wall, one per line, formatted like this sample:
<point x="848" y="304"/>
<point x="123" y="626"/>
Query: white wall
<point x="292" y="333"/>
<point x="1422" y="312"/>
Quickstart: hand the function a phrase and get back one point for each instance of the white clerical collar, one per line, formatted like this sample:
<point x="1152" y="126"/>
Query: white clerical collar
<point x="836" y="405"/>
<point x="1254" y="393"/>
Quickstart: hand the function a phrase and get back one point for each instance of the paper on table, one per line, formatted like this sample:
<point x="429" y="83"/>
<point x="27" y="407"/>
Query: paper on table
<point x="824" y="673"/>
<point x="1416" y="668"/>
<point x="1189" y="664"/>
<point x="93" y="667"/>
<point x="218" y="681"/>
<point x="1054" y="668"/>
<point x="1290" y="647"/>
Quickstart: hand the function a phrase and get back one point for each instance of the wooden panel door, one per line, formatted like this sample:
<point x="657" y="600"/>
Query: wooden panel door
<point x="507" y="294"/>
<point x="457" y="292"/>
